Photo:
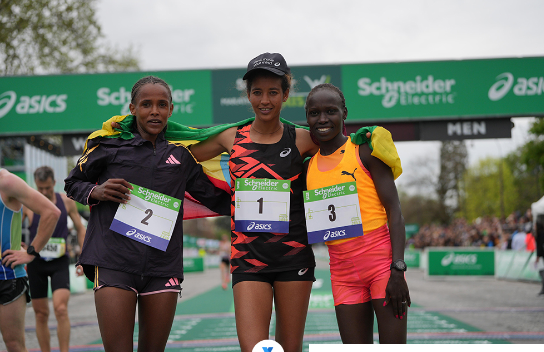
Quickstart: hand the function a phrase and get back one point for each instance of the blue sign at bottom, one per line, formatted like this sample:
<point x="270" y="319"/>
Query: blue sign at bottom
<point x="139" y="235"/>
<point x="338" y="233"/>
<point x="261" y="226"/>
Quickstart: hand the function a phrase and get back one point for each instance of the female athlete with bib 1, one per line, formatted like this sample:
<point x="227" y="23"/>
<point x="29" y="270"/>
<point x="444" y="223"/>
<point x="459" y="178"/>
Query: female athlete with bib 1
<point x="266" y="266"/>
<point x="367" y="272"/>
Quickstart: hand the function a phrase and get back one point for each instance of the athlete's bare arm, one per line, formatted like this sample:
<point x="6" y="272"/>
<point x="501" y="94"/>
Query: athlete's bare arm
<point x="305" y="145"/>
<point x="14" y="192"/>
<point x="214" y="146"/>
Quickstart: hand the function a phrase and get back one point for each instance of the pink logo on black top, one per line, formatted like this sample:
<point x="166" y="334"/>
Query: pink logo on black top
<point x="172" y="160"/>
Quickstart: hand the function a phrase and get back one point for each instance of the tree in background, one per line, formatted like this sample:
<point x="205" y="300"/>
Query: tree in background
<point x="56" y="36"/>
<point x="418" y="209"/>
<point x="525" y="179"/>
<point x="453" y="161"/>
<point x="532" y="154"/>
<point x="489" y="189"/>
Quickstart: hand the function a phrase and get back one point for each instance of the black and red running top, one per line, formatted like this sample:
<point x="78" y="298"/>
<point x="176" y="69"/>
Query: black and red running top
<point x="265" y="252"/>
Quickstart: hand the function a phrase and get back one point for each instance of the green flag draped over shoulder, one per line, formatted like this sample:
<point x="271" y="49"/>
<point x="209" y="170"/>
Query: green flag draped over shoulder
<point x="380" y="140"/>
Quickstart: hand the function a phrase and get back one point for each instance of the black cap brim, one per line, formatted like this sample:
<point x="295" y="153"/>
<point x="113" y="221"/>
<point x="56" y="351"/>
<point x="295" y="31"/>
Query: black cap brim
<point x="271" y="69"/>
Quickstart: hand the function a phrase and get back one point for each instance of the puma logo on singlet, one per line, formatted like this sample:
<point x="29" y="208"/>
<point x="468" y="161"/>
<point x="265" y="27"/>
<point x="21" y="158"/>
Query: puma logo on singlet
<point x="352" y="174"/>
<point x="285" y="152"/>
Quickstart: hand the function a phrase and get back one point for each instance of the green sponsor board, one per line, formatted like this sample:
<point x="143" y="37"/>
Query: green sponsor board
<point x="452" y="262"/>
<point x="193" y="264"/>
<point x="157" y="198"/>
<point x="411" y="229"/>
<point x="530" y="271"/>
<point x="230" y="102"/>
<point x="518" y="263"/>
<point x="412" y="258"/>
<point x="504" y="262"/>
<point x="339" y="190"/>
<point x="34" y="104"/>
<point x="380" y="92"/>
<point x="444" y="89"/>
<point x="257" y="184"/>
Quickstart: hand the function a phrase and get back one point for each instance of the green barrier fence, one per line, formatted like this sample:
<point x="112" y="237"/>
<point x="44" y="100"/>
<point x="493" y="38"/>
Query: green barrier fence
<point x="460" y="262"/>
<point x="193" y="264"/>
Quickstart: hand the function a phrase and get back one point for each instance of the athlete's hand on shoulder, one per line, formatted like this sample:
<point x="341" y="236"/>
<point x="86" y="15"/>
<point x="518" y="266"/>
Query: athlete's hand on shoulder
<point x="115" y="125"/>
<point x="11" y="258"/>
<point x="115" y="190"/>
<point x="397" y="294"/>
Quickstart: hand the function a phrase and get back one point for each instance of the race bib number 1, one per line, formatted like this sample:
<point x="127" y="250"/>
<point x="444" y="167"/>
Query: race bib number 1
<point x="333" y="213"/>
<point x="149" y="217"/>
<point x="262" y="205"/>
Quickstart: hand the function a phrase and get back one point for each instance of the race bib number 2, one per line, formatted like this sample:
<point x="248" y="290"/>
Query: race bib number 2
<point x="149" y="217"/>
<point x="262" y="205"/>
<point x="333" y="213"/>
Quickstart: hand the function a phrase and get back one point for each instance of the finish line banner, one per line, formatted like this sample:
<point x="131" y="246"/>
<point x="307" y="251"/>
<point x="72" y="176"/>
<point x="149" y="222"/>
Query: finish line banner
<point x="377" y="93"/>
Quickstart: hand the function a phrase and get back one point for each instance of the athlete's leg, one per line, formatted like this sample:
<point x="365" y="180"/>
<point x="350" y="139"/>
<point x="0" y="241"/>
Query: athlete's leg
<point x="155" y="316"/>
<point x="116" y="311"/>
<point x="12" y="324"/>
<point x="390" y="328"/>
<point x="41" y="310"/>
<point x="253" y="310"/>
<point x="224" y="274"/>
<point x="60" y="306"/>
<point x="291" y="300"/>
<point x="355" y="322"/>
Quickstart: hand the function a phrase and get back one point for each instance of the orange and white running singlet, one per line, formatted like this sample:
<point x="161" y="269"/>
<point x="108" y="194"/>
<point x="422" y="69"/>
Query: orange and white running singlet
<point x="360" y="265"/>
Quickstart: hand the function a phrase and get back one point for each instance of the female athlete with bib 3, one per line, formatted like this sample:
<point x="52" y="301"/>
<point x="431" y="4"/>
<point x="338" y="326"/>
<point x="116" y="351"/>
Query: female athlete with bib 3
<point x="367" y="271"/>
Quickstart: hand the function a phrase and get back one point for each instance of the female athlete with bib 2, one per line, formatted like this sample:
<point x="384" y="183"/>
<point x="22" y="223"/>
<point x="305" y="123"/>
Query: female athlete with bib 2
<point x="367" y="271"/>
<point x="131" y="266"/>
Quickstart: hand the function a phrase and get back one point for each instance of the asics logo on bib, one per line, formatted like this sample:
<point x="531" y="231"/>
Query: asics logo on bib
<point x="259" y="226"/>
<point x="334" y="234"/>
<point x="302" y="271"/>
<point x="138" y="235"/>
<point x="285" y="152"/>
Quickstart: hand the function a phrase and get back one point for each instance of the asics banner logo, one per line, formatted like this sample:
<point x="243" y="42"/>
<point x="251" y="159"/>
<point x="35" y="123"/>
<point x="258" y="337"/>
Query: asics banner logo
<point x="7" y="99"/>
<point x="525" y="86"/>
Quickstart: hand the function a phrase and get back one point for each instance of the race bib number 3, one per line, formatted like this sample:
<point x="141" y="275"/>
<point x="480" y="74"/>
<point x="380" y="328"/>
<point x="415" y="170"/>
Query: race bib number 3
<point x="262" y="205"/>
<point x="149" y="217"/>
<point x="333" y="213"/>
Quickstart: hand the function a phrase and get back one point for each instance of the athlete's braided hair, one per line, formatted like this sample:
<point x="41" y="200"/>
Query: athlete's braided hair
<point x="340" y="94"/>
<point x="145" y="80"/>
<point x="326" y="86"/>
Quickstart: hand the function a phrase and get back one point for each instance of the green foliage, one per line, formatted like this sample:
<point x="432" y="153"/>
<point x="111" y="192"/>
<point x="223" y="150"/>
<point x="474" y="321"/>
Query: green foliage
<point x="56" y="36"/>
<point x="525" y="179"/>
<point x="532" y="154"/>
<point x="418" y="209"/>
<point x="489" y="189"/>
<point x="453" y="160"/>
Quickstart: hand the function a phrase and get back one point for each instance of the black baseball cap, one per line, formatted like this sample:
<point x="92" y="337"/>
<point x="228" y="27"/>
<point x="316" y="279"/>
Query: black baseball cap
<point x="273" y="62"/>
